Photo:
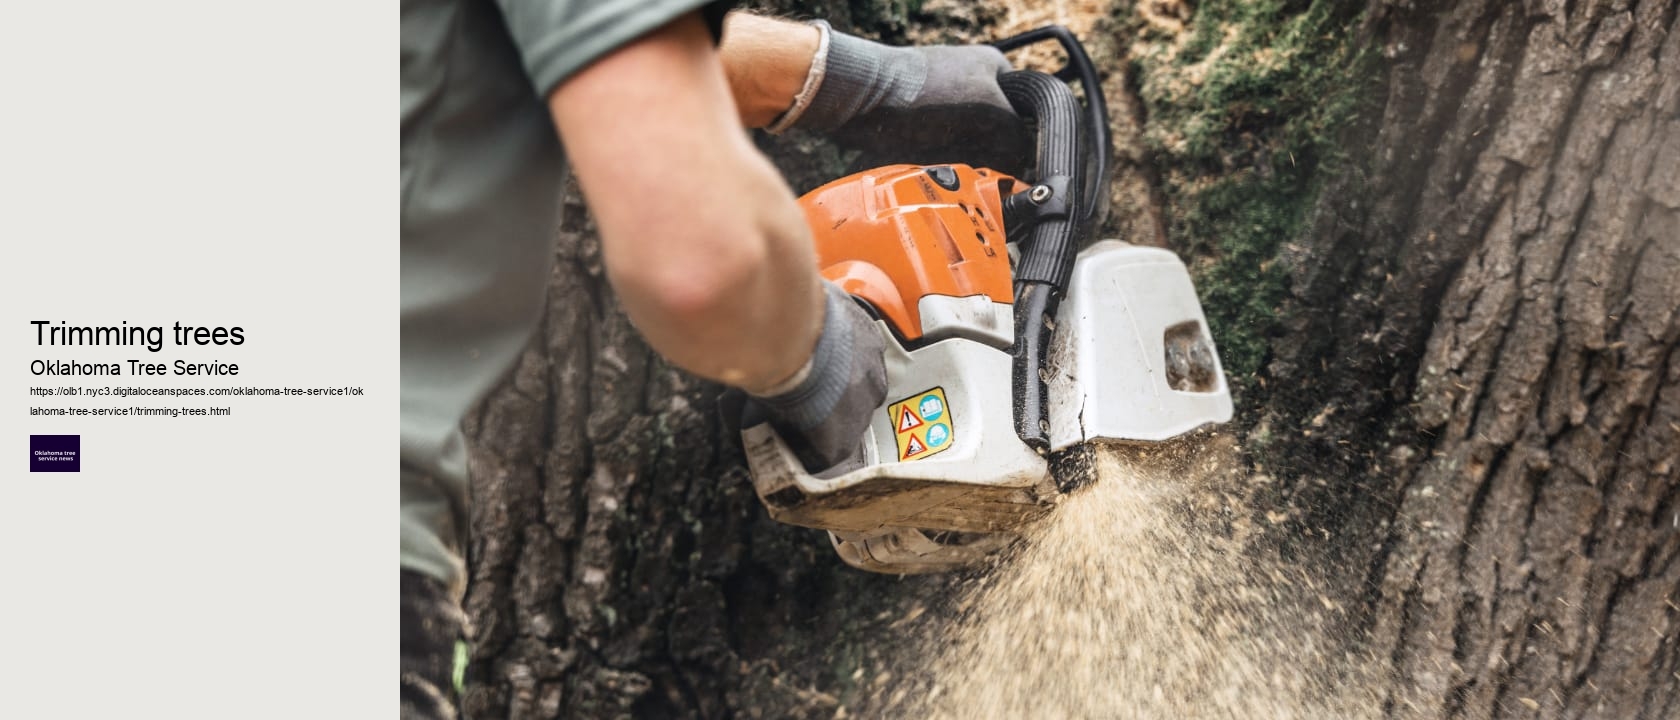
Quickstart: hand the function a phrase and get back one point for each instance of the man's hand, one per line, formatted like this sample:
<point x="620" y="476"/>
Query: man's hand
<point x="703" y="241"/>
<point x="920" y="105"/>
<point x="824" y="410"/>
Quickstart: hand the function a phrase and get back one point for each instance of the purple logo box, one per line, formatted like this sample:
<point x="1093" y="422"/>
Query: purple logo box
<point x="55" y="453"/>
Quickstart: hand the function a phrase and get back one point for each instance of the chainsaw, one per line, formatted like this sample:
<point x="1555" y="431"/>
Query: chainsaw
<point x="1015" y="346"/>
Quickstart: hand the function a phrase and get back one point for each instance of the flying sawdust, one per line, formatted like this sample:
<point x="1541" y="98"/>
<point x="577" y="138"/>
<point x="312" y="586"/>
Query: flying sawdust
<point x="1119" y="605"/>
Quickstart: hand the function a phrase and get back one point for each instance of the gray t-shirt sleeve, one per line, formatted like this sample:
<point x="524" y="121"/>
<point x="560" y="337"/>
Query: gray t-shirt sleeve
<point x="557" y="38"/>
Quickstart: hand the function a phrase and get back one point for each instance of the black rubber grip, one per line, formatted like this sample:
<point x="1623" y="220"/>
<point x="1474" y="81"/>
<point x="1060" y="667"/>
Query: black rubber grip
<point x="1068" y="197"/>
<point x="1098" y="143"/>
<point x="1033" y="303"/>
<point x="1047" y="255"/>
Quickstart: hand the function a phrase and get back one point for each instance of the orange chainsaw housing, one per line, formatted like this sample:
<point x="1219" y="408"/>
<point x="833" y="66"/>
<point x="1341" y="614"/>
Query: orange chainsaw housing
<point x="895" y="234"/>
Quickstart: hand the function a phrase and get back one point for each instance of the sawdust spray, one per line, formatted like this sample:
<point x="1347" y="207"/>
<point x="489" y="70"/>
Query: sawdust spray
<point x="1119" y="605"/>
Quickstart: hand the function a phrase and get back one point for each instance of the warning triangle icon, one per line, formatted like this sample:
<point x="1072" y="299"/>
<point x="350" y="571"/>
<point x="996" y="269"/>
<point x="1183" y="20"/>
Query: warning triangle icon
<point x="907" y="420"/>
<point x="914" y="447"/>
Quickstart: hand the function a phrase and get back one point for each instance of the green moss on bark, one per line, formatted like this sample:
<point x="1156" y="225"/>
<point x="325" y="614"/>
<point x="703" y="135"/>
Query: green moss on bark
<point x="1245" y="103"/>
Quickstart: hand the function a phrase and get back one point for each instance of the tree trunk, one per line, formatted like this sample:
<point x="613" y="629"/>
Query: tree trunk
<point x="1471" y="395"/>
<point x="1487" y="314"/>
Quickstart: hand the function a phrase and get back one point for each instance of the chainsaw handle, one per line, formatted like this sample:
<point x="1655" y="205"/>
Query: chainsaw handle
<point x="1101" y="144"/>
<point x="1053" y="209"/>
<point x="1055" y="197"/>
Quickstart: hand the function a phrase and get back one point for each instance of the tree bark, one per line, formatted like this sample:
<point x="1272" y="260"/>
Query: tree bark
<point x="1488" y="314"/>
<point x="1473" y="399"/>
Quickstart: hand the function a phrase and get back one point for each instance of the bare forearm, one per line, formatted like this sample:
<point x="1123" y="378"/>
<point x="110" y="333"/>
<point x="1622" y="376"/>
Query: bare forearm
<point x="703" y="241"/>
<point x="740" y="304"/>
<point x="766" y="61"/>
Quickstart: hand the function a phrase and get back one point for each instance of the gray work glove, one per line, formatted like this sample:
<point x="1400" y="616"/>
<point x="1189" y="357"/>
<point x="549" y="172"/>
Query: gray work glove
<point x="922" y="105"/>
<point x="824" y="417"/>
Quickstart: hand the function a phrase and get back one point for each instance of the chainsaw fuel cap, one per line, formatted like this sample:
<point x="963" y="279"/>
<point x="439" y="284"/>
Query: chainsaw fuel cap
<point x="944" y="176"/>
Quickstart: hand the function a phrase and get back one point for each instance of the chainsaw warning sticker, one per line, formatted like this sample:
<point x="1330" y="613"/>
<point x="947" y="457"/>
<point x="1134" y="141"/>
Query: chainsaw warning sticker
<point x="922" y="424"/>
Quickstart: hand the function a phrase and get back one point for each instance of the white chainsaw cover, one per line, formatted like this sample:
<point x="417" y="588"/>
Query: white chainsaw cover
<point x="1109" y="362"/>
